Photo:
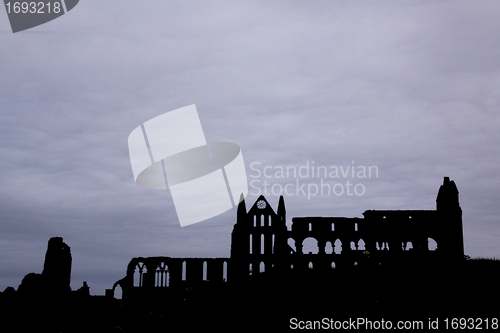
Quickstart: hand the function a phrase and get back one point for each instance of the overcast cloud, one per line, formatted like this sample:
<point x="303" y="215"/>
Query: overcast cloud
<point x="411" y="87"/>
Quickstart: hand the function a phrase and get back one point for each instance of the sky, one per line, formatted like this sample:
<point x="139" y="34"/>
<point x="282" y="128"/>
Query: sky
<point x="410" y="88"/>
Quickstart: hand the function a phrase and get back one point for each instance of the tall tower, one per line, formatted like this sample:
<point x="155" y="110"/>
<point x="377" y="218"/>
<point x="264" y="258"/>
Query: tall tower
<point x="57" y="266"/>
<point x="258" y="236"/>
<point x="450" y="219"/>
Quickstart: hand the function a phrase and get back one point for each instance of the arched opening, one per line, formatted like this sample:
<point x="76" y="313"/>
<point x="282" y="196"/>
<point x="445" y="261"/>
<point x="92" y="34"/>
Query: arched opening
<point x="269" y="220"/>
<point x="291" y="244"/>
<point x="262" y="244"/>
<point x="310" y="246"/>
<point x="161" y="275"/>
<point x="158" y="277"/>
<point x="261" y="221"/>
<point x="118" y="292"/>
<point x="137" y="277"/>
<point x="254" y="220"/>
<point x="262" y="267"/>
<point x="332" y="265"/>
<point x="139" y="272"/>
<point x="272" y="244"/>
<point x="328" y="248"/>
<point x="361" y="245"/>
<point x="250" y="249"/>
<point x="310" y="265"/>
<point x="355" y="227"/>
<point x="337" y="246"/>
<point x="333" y="226"/>
<point x="353" y="246"/>
<point x="433" y="246"/>
<point x="310" y="227"/>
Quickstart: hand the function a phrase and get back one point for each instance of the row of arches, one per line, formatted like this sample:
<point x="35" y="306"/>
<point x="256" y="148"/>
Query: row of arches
<point x="261" y="244"/>
<point x="262" y="220"/>
<point x="310" y="246"/>
<point x="332" y="226"/>
<point x="322" y="265"/>
<point x="260" y="268"/>
<point x="256" y="268"/>
<point x="163" y="277"/>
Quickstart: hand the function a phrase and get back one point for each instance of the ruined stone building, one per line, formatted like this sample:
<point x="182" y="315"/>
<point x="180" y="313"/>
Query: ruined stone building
<point x="262" y="244"/>
<point x="56" y="275"/>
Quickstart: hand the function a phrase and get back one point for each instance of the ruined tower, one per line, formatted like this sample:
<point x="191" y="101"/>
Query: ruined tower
<point x="56" y="275"/>
<point x="57" y="266"/>
<point x="450" y="219"/>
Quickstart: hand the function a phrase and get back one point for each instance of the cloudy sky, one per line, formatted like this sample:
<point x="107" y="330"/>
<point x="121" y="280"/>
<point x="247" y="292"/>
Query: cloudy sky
<point x="410" y="87"/>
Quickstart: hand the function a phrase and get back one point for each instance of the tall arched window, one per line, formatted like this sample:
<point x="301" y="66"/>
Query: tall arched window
<point x="272" y="244"/>
<point x="161" y="275"/>
<point x="251" y="244"/>
<point x="140" y="269"/>
<point x="262" y="244"/>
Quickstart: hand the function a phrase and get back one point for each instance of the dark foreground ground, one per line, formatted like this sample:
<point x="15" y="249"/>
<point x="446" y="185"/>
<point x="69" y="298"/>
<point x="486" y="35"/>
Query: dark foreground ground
<point x="470" y="290"/>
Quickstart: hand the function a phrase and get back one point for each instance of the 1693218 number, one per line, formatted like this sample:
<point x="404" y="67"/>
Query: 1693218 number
<point x="471" y="323"/>
<point x="33" y="7"/>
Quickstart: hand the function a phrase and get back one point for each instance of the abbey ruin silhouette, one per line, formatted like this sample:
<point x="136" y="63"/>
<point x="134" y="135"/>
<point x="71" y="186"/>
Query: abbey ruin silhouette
<point x="261" y="245"/>
<point x="391" y="264"/>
